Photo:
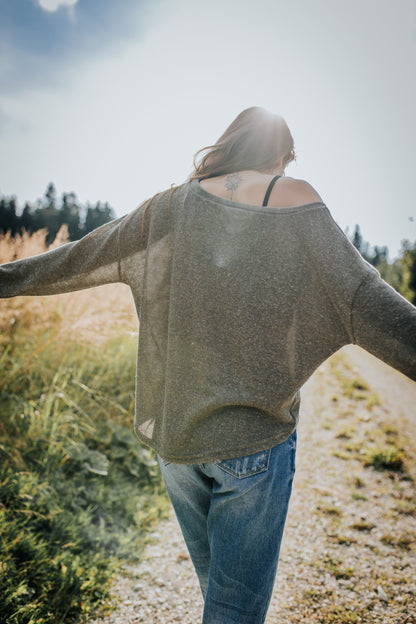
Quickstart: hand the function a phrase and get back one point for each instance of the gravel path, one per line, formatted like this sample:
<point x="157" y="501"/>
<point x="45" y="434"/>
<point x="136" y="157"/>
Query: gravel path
<point x="348" y="553"/>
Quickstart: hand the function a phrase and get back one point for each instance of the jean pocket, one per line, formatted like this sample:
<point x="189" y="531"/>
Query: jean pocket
<point x="246" y="466"/>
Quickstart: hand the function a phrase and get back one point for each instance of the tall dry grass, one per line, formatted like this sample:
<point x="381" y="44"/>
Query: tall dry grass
<point x="91" y="315"/>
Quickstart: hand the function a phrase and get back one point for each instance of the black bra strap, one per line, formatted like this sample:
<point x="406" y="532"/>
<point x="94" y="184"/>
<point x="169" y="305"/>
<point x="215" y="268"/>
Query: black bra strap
<point x="269" y="189"/>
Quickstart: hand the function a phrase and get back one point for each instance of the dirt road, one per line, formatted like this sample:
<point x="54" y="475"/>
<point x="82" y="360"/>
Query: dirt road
<point x="348" y="554"/>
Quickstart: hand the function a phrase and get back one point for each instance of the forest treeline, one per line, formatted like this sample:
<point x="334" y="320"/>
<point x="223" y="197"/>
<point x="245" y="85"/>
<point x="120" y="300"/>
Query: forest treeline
<point x="52" y="212"/>
<point x="400" y="273"/>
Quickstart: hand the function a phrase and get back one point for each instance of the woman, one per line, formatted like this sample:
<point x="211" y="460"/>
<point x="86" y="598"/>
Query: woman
<point x="243" y="285"/>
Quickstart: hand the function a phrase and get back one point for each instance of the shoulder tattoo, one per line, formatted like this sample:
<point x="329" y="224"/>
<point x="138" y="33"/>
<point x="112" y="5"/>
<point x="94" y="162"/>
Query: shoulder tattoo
<point x="232" y="181"/>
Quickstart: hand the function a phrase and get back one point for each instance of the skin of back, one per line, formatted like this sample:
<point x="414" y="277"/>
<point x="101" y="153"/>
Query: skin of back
<point x="249" y="187"/>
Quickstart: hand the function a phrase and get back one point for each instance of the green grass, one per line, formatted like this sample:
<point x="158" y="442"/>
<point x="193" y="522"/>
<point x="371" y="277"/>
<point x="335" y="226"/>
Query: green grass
<point x="330" y="511"/>
<point x="355" y="388"/>
<point x="388" y="457"/>
<point x="336" y="569"/>
<point x="78" y="492"/>
<point x="362" y="525"/>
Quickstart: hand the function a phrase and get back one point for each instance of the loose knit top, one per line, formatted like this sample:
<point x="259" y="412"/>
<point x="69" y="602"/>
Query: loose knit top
<point x="238" y="305"/>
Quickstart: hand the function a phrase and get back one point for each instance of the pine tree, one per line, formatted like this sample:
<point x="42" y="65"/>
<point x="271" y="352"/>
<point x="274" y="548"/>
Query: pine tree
<point x="26" y="219"/>
<point x="97" y="215"/>
<point x="70" y="214"/>
<point x="9" y="221"/>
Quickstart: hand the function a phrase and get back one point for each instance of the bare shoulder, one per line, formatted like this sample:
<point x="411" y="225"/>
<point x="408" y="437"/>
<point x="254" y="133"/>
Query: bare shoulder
<point x="293" y="192"/>
<point x="303" y="190"/>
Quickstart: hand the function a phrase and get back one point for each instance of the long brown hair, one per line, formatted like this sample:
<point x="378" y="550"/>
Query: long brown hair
<point x="256" y="139"/>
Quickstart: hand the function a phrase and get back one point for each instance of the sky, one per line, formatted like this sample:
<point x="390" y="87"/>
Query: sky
<point x="112" y="99"/>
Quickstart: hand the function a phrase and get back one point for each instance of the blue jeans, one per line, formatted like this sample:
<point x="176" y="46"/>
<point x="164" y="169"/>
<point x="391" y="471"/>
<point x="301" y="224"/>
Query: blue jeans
<point x="232" y="514"/>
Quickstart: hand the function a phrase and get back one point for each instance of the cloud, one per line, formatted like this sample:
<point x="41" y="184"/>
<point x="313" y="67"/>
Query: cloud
<point x="41" y="45"/>
<point x="53" y="5"/>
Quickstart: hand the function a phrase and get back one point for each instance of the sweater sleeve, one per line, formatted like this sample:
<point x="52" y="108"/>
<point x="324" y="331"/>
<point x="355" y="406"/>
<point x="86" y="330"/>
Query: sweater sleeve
<point x="98" y="258"/>
<point x="374" y="315"/>
<point x="384" y="323"/>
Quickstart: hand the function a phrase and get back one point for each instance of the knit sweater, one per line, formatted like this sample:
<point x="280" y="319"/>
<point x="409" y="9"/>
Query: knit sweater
<point x="238" y="305"/>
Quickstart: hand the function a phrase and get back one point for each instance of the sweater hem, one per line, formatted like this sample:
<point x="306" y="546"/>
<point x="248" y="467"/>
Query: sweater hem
<point x="208" y="456"/>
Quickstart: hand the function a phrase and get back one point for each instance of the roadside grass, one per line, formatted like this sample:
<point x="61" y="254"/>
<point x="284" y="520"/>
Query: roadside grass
<point x="78" y="493"/>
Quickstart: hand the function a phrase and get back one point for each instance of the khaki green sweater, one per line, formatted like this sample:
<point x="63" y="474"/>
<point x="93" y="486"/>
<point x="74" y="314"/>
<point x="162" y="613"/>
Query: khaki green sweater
<point x="238" y="305"/>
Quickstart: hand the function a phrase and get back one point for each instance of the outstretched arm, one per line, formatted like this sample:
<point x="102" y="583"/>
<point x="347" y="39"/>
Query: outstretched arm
<point x="89" y="262"/>
<point x="103" y="256"/>
<point x="384" y="323"/>
<point x="374" y="315"/>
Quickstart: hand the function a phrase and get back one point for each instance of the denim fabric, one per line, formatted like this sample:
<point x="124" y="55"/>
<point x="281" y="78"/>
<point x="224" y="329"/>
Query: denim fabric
<point x="232" y="514"/>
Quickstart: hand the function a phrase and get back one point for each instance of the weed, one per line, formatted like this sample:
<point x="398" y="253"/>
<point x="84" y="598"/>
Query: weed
<point x="346" y="433"/>
<point x="330" y="511"/>
<point x="339" y="615"/>
<point x="341" y="455"/>
<point x="388" y="457"/>
<point x="406" y="508"/>
<point x="363" y="525"/>
<point x="405" y="542"/>
<point x="353" y="447"/>
<point x="334" y="567"/>
<point x="389" y="430"/>
<point x="317" y="594"/>
<point x="344" y="540"/>
<point x="373" y="400"/>
<point x="356" y="496"/>
<point x="354" y="388"/>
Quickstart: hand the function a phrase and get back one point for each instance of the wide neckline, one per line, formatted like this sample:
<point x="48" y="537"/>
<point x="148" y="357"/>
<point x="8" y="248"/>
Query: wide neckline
<point x="217" y="199"/>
